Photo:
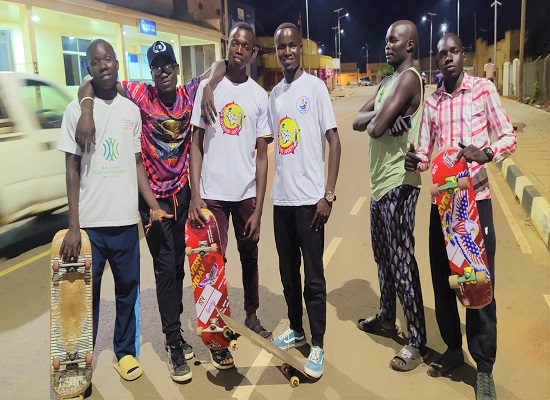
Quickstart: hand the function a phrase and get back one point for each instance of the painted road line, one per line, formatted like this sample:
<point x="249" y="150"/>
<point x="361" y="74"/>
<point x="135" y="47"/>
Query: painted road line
<point x="358" y="205"/>
<point x="329" y="252"/>
<point x="547" y="297"/>
<point x="255" y="372"/>
<point x="516" y="230"/>
<point x="23" y="263"/>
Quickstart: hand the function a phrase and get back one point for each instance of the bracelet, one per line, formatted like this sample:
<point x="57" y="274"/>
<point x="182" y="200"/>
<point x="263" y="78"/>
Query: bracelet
<point x="86" y="98"/>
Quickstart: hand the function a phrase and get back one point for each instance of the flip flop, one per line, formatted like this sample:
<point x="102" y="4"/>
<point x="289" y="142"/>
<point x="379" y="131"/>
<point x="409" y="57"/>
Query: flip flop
<point x="217" y="356"/>
<point x="128" y="368"/>
<point x="410" y="356"/>
<point x="372" y="325"/>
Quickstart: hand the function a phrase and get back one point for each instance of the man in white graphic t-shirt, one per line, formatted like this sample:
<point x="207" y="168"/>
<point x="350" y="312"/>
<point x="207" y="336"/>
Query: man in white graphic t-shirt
<point x="231" y="180"/>
<point x="302" y="119"/>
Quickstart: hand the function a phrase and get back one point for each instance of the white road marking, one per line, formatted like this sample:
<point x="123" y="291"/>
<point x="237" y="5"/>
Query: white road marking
<point x="255" y="372"/>
<point x="358" y="205"/>
<point x="329" y="252"/>
<point x="516" y="230"/>
<point x="547" y="298"/>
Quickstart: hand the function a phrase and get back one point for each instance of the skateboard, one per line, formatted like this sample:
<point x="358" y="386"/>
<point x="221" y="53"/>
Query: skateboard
<point x="208" y="279"/>
<point x="71" y="320"/>
<point x="291" y="366"/>
<point x="453" y="192"/>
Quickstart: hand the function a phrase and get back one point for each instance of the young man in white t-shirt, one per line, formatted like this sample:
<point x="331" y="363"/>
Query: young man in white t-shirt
<point x="300" y="112"/>
<point x="230" y="180"/>
<point x="102" y="189"/>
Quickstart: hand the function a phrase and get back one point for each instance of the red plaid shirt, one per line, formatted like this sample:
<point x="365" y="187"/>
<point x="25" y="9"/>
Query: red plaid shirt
<point x="166" y="135"/>
<point x="468" y="117"/>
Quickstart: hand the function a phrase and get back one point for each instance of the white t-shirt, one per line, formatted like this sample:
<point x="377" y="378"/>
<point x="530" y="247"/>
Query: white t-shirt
<point x="489" y="70"/>
<point x="229" y="167"/>
<point x="300" y="114"/>
<point x="108" y="176"/>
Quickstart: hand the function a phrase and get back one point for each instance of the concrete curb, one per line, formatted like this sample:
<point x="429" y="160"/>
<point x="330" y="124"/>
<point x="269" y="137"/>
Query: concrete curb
<point x="534" y="204"/>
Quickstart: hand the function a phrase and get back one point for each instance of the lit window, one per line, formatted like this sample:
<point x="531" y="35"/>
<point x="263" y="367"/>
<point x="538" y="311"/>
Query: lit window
<point x="74" y="59"/>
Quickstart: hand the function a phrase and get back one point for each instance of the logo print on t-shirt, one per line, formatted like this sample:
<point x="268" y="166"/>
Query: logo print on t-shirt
<point x="289" y="136"/>
<point x="110" y="149"/>
<point x="302" y="105"/>
<point x="232" y="118"/>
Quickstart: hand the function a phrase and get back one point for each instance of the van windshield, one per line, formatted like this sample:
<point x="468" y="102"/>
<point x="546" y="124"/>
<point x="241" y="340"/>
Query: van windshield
<point x="48" y="102"/>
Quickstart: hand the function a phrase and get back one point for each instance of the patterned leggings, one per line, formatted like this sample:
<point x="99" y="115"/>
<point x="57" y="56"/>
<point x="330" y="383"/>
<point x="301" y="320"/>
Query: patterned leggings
<point x="392" y="231"/>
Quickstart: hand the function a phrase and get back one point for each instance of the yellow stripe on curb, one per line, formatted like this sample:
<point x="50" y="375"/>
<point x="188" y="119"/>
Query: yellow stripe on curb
<point x="521" y="182"/>
<point x="23" y="263"/>
<point x="540" y="217"/>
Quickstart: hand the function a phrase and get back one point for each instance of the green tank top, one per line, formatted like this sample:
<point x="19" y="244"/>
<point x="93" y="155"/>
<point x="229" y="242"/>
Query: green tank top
<point x="387" y="153"/>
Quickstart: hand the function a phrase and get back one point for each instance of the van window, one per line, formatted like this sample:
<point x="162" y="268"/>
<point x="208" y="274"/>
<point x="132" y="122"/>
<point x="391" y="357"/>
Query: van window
<point x="48" y="102"/>
<point x="6" y="125"/>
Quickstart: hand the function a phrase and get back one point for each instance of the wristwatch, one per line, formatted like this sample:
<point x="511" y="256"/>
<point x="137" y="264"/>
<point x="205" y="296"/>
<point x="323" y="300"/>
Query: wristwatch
<point x="489" y="153"/>
<point x="330" y="197"/>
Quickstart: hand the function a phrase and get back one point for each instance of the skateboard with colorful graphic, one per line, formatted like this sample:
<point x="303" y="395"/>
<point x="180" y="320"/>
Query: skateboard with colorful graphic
<point x="71" y="319"/>
<point x="207" y="267"/>
<point x="453" y="192"/>
<point x="290" y="367"/>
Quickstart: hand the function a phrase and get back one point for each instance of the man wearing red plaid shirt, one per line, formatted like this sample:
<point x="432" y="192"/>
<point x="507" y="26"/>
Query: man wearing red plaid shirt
<point x="463" y="112"/>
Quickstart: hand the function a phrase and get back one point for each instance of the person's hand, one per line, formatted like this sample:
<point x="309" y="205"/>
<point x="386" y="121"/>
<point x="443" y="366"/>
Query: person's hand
<point x="85" y="128"/>
<point x="208" y="110"/>
<point x="252" y="227"/>
<point x="195" y="214"/>
<point x="399" y="127"/>
<point x="322" y="214"/>
<point x="411" y="159"/>
<point x="155" y="217"/>
<point x="471" y="153"/>
<point x="70" y="248"/>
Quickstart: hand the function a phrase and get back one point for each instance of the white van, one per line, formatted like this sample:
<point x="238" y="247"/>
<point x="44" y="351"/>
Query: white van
<point x="32" y="177"/>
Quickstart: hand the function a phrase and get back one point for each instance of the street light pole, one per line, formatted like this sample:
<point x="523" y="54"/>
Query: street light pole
<point x="495" y="4"/>
<point x="367" y="56"/>
<point x="335" y="28"/>
<point x="432" y="15"/>
<point x="339" y="54"/>
<point x="308" y="41"/>
<point x="458" y="19"/>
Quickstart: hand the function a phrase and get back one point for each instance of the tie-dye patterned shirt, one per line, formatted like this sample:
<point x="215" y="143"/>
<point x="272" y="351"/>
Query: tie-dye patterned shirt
<point x="166" y="136"/>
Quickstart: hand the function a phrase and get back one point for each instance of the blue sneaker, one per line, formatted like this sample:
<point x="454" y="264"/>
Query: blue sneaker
<point x="290" y="339"/>
<point x="314" y="365"/>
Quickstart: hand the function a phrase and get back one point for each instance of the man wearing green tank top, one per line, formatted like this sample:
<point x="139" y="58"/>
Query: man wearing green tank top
<point x="392" y="119"/>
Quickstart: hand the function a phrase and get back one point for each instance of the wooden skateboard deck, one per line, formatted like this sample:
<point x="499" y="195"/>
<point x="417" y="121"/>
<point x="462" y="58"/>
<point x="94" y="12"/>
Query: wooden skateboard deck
<point x="454" y="195"/>
<point x="290" y="364"/>
<point x="71" y="320"/>
<point x="203" y="247"/>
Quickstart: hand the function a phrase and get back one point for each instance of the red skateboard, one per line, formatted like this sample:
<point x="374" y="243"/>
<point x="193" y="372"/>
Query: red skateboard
<point x="454" y="195"/>
<point x="208" y="279"/>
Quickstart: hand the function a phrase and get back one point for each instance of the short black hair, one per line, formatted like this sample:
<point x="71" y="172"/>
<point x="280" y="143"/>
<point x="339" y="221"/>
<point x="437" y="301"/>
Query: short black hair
<point x="246" y="27"/>
<point x="94" y="44"/>
<point x="285" y="25"/>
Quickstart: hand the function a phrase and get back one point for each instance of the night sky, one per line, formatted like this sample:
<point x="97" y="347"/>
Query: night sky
<point x="369" y="20"/>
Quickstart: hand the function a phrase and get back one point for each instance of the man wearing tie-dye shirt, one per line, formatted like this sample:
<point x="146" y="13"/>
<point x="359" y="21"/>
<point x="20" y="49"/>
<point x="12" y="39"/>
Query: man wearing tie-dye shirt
<point x="464" y="112"/>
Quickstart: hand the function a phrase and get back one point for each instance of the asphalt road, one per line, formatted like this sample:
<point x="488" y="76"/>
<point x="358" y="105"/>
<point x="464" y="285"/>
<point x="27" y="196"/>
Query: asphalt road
<point x="356" y="363"/>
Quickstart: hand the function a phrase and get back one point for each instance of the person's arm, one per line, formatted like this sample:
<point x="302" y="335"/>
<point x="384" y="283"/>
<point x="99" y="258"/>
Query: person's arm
<point x="365" y="115"/>
<point x="70" y="248"/>
<point x="419" y="159"/>
<point x="215" y="74"/>
<point x="395" y="106"/>
<point x="196" y="154"/>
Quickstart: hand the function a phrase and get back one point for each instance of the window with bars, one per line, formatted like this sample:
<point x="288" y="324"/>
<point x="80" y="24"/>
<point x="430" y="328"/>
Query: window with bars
<point x="74" y="59"/>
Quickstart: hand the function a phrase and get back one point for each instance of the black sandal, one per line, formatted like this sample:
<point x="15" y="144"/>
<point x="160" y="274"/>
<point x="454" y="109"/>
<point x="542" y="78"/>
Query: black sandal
<point x="218" y="356"/>
<point x="373" y="325"/>
<point x="256" y="326"/>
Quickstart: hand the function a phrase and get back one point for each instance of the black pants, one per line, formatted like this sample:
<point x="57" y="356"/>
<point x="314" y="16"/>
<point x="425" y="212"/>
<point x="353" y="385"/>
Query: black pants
<point x="481" y="325"/>
<point x="295" y="238"/>
<point x="167" y="246"/>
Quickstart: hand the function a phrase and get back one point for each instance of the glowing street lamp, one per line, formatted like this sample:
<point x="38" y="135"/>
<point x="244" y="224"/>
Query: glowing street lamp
<point x="430" y="18"/>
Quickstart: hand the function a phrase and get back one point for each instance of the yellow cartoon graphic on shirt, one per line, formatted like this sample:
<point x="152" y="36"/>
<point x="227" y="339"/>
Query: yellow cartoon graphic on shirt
<point x="289" y="136"/>
<point x="232" y="118"/>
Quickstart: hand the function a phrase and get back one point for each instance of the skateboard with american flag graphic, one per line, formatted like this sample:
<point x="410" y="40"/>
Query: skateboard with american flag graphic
<point x="207" y="267"/>
<point x="454" y="195"/>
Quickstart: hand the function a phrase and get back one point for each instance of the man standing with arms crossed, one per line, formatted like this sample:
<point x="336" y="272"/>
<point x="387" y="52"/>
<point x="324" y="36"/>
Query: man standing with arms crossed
<point x="230" y="181"/>
<point x="392" y="119"/>
<point x="302" y="119"/>
<point x="464" y="113"/>
<point x="165" y="142"/>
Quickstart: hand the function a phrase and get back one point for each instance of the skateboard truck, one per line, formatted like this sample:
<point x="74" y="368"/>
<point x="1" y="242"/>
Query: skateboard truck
<point x="202" y="249"/>
<point x="469" y="277"/>
<point x="72" y="359"/>
<point x="451" y="186"/>
<point x="82" y="265"/>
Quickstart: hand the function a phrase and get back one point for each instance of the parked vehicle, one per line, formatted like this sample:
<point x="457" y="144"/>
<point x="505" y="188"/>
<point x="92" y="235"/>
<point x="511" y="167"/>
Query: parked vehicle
<point x="33" y="171"/>
<point x="364" y="81"/>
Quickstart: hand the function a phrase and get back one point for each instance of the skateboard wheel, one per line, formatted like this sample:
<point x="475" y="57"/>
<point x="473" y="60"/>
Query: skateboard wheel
<point x="214" y="247"/>
<point x="453" y="281"/>
<point x="463" y="183"/>
<point x="188" y="251"/>
<point x="227" y="333"/>
<point x="87" y="263"/>
<point x="434" y="190"/>
<point x="481" y="277"/>
<point x="199" y="331"/>
<point x="234" y="345"/>
<point x="285" y="368"/>
<point x="89" y="358"/>
<point x="55" y="266"/>
<point x="56" y="363"/>
<point x="294" y="381"/>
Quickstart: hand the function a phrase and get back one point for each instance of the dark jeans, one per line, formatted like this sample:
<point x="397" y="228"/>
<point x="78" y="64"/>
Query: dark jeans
<point x="293" y="234"/>
<point x="166" y="243"/>
<point x="481" y="325"/>
<point x="240" y="212"/>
